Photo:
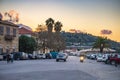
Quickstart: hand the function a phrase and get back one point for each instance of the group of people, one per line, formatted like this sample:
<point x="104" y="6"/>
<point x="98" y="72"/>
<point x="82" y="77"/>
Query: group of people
<point x="10" y="58"/>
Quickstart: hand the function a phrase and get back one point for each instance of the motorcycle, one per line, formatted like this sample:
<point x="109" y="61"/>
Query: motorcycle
<point x="81" y="58"/>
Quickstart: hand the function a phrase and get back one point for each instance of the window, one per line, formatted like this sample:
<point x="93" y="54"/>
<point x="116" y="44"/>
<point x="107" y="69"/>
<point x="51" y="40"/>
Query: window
<point x="14" y="32"/>
<point x="8" y="30"/>
<point x="1" y="30"/>
<point x="118" y="56"/>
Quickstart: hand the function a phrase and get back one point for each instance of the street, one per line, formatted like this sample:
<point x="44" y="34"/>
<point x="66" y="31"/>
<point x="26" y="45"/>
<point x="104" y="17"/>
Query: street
<point x="49" y="69"/>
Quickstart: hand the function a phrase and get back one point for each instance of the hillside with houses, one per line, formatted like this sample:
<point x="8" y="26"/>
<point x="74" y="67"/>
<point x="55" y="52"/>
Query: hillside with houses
<point x="86" y="40"/>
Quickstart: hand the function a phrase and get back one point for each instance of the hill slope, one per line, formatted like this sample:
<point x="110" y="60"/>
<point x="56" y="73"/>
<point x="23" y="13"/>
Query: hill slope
<point x="85" y="39"/>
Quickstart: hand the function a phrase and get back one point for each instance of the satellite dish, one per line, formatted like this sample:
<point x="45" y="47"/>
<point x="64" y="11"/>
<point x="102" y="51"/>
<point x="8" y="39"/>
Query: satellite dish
<point x="1" y="16"/>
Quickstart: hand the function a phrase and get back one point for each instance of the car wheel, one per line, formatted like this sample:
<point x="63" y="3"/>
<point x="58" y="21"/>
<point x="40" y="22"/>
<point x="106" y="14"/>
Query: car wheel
<point x="113" y="62"/>
<point x="57" y="60"/>
<point x="65" y="60"/>
<point x="107" y="62"/>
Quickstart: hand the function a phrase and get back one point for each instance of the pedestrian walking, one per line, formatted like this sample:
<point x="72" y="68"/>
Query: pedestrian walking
<point x="11" y="57"/>
<point x="8" y="57"/>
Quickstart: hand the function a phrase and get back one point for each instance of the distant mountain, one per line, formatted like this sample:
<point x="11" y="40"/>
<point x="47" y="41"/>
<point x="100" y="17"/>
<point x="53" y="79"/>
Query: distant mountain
<point x="85" y="39"/>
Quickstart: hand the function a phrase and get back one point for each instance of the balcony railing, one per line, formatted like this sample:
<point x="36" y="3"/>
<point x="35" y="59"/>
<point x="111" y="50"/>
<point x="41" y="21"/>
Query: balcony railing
<point x="9" y="37"/>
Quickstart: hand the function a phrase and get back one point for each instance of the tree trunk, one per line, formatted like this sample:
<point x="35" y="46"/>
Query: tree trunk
<point x="101" y="49"/>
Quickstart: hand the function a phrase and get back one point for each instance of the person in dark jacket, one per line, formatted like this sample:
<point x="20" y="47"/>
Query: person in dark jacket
<point x="11" y="57"/>
<point x="8" y="58"/>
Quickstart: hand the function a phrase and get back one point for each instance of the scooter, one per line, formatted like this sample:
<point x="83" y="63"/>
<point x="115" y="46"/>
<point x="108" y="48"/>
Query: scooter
<point x="81" y="59"/>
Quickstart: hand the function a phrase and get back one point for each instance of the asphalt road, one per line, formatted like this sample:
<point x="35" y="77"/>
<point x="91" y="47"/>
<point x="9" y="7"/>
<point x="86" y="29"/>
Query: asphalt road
<point x="49" y="69"/>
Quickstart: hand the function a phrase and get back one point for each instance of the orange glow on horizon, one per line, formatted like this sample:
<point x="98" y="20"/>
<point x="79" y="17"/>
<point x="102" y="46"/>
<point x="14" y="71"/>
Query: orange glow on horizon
<point x="86" y="16"/>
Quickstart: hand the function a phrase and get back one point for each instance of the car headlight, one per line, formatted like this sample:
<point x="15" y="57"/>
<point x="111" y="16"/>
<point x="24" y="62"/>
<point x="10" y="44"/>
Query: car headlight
<point x="81" y="58"/>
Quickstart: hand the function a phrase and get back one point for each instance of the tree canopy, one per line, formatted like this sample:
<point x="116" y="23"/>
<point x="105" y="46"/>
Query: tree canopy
<point x="48" y="39"/>
<point x="27" y="44"/>
<point x="101" y="43"/>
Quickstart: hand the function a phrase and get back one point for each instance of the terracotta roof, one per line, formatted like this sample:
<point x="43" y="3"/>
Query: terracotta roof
<point x="24" y="31"/>
<point x="8" y="23"/>
<point x="27" y="27"/>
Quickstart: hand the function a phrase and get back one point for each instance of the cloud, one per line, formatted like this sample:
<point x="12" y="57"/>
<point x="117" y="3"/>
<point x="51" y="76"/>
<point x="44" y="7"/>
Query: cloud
<point x="106" y="32"/>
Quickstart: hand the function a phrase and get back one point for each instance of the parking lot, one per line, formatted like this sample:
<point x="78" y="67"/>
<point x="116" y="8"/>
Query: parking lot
<point x="49" y="69"/>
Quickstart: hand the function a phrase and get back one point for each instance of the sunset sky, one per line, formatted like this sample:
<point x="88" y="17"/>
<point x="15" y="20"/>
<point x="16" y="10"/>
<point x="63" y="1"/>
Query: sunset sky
<point x="90" y="16"/>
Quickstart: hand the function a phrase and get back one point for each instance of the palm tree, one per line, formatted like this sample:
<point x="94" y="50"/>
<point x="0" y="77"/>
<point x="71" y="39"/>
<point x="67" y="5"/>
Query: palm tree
<point x="101" y="43"/>
<point x="58" y="26"/>
<point x="59" y="41"/>
<point x="49" y="24"/>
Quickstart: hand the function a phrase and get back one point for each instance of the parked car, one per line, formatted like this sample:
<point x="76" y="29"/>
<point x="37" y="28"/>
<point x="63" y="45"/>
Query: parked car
<point x="99" y="57"/>
<point x="20" y="55"/>
<point x="34" y="55"/>
<point x="41" y="56"/>
<point x="54" y="54"/>
<point x="31" y="56"/>
<point x="115" y="59"/>
<point x="88" y="56"/>
<point x="93" y="56"/>
<point x="105" y="58"/>
<point x="48" y="56"/>
<point x="61" y="56"/>
<point x="1" y="57"/>
<point x="16" y="55"/>
<point x="4" y="56"/>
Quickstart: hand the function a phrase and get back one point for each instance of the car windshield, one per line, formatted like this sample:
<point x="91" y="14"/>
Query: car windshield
<point x="61" y="54"/>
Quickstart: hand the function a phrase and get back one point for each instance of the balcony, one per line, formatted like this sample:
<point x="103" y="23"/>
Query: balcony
<point x="9" y="37"/>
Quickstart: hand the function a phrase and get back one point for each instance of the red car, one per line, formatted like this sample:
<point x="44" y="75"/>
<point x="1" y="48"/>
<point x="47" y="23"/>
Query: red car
<point x="115" y="59"/>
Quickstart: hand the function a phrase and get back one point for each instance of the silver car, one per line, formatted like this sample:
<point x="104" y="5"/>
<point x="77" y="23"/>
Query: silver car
<point x="61" y="56"/>
<point x="99" y="57"/>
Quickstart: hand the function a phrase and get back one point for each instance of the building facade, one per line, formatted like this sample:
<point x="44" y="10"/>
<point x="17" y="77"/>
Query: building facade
<point x="9" y="37"/>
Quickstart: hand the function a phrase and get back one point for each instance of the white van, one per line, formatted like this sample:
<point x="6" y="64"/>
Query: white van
<point x="41" y="56"/>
